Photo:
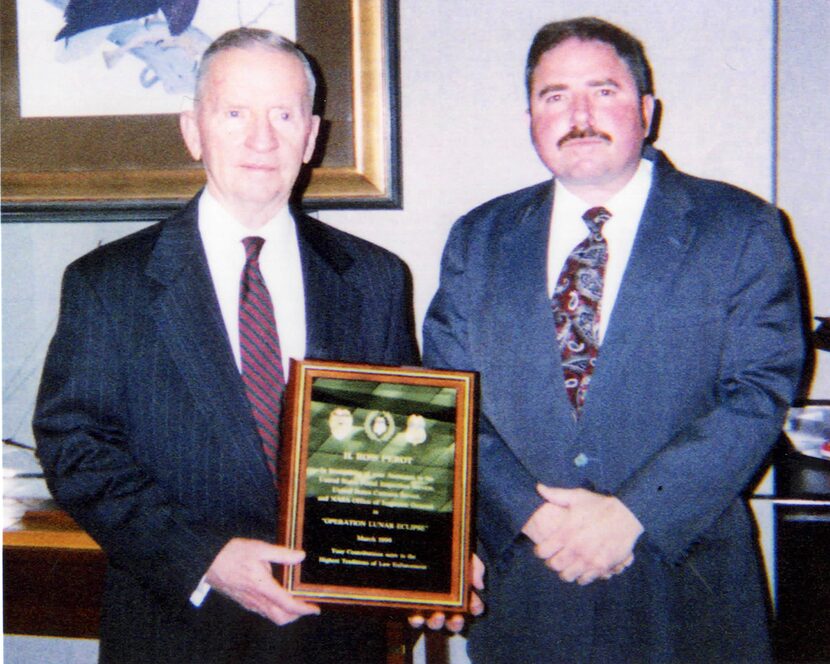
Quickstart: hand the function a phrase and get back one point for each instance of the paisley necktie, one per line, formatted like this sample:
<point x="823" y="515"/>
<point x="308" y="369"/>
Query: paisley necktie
<point x="576" y="307"/>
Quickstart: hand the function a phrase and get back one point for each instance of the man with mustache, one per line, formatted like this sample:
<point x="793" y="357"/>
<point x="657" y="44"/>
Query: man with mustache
<point x="637" y="333"/>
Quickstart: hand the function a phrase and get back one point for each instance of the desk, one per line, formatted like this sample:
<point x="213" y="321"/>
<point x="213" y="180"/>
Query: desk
<point x="53" y="577"/>
<point x="53" y="573"/>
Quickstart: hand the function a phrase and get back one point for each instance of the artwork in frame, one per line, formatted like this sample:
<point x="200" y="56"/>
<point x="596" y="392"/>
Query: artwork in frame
<point x="125" y="162"/>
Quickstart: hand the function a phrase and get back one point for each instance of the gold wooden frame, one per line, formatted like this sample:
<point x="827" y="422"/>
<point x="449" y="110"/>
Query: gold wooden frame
<point x="386" y="524"/>
<point x="370" y="179"/>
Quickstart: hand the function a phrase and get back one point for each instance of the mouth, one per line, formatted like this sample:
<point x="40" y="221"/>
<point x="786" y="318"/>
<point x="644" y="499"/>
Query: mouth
<point x="587" y="136"/>
<point x="258" y="168"/>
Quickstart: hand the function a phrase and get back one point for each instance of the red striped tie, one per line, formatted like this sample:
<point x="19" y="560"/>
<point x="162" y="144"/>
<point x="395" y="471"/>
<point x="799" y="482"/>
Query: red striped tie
<point x="259" y="347"/>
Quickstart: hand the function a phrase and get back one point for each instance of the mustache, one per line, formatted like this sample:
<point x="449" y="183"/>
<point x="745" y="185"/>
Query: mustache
<point x="587" y="132"/>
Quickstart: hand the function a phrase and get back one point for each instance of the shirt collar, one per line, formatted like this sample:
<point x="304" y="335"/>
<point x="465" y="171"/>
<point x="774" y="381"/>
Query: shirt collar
<point x="628" y="202"/>
<point x="218" y="226"/>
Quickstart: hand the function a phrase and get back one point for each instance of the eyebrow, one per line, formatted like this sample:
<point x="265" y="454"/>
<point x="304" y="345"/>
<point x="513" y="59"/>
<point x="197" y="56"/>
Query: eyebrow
<point x="607" y="82"/>
<point x="560" y="87"/>
<point x="553" y="87"/>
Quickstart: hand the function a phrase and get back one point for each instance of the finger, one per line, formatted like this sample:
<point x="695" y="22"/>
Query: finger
<point x="560" y="558"/>
<point x="436" y="620"/>
<point x="281" y="616"/>
<point x="588" y="577"/>
<point x="416" y="621"/>
<point x="476" y="605"/>
<point x="282" y="555"/>
<point x="555" y="495"/>
<point x="478" y="573"/>
<point x="455" y="623"/>
<point x="624" y="565"/>
<point x="573" y="572"/>
<point x="568" y="566"/>
<point x="278" y="607"/>
<point x="548" y="548"/>
<point x="276" y="600"/>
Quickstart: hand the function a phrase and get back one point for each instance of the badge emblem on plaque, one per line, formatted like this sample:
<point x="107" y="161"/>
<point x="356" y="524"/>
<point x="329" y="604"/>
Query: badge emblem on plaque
<point x="341" y="423"/>
<point x="379" y="426"/>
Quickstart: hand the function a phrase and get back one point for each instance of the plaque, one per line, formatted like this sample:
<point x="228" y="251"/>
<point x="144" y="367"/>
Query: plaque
<point x="376" y="485"/>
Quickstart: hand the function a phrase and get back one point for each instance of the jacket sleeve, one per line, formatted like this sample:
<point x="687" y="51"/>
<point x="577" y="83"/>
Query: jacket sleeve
<point x="685" y="486"/>
<point x="401" y="344"/>
<point x="506" y="496"/>
<point x="82" y="429"/>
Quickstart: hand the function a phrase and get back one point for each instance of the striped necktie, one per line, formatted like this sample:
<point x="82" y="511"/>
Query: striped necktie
<point x="259" y="346"/>
<point x="576" y="307"/>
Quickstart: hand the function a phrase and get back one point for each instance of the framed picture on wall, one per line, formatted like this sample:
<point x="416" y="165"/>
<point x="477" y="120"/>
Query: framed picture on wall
<point x="105" y="158"/>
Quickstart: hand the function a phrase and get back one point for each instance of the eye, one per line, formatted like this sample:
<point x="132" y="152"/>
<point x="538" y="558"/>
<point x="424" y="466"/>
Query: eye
<point x="234" y="113"/>
<point x="606" y="92"/>
<point x="280" y="115"/>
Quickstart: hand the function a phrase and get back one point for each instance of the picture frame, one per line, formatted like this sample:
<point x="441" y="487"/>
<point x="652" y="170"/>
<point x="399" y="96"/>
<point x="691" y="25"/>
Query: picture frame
<point x="126" y="163"/>
<point x="376" y="485"/>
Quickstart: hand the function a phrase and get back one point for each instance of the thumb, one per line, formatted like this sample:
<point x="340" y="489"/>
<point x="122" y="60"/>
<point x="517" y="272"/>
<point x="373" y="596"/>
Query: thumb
<point x="283" y="555"/>
<point x="559" y="497"/>
<point x="478" y="573"/>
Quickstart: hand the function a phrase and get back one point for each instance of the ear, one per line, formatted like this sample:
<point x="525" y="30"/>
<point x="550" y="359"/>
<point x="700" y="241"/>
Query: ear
<point x="647" y="111"/>
<point x="189" y="127"/>
<point x="311" y="139"/>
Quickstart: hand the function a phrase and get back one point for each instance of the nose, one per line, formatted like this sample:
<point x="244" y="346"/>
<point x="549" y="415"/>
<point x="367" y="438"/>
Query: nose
<point x="582" y="112"/>
<point x="261" y="134"/>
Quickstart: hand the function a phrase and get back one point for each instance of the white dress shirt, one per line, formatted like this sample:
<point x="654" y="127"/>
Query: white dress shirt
<point x="279" y="262"/>
<point x="567" y="229"/>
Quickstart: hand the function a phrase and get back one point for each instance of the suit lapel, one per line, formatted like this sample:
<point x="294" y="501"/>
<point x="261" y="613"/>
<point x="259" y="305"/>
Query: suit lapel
<point x="190" y="324"/>
<point x="331" y="301"/>
<point x="662" y="240"/>
<point x="527" y="367"/>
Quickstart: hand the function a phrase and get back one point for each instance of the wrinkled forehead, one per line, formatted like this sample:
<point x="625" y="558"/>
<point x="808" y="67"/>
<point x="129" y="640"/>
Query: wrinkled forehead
<point x="230" y="66"/>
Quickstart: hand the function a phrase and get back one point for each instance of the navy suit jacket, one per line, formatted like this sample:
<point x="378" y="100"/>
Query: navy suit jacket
<point x="699" y="362"/>
<point x="142" y="423"/>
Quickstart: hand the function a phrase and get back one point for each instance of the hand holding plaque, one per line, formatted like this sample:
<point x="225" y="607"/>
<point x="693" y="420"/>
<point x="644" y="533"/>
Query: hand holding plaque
<point x="376" y="485"/>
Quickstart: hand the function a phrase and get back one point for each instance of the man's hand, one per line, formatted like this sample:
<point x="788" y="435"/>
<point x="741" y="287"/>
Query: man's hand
<point x="455" y="623"/>
<point x="242" y="571"/>
<point x="582" y="535"/>
<point x="544" y="522"/>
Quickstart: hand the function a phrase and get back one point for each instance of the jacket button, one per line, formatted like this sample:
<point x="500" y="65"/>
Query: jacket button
<point x="580" y="460"/>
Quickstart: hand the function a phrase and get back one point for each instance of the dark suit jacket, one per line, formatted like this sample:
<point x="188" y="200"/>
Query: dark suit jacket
<point x="145" y="433"/>
<point x="700" y="360"/>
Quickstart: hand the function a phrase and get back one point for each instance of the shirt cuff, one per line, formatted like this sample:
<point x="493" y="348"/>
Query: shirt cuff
<point x="198" y="595"/>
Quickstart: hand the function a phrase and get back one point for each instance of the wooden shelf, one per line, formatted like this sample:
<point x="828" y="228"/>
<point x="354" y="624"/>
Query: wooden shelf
<point x="53" y="573"/>
<point x="53" y="578"/>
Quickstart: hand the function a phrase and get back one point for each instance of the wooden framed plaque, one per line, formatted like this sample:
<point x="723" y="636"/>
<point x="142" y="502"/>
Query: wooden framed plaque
<point x="376" y="484"/>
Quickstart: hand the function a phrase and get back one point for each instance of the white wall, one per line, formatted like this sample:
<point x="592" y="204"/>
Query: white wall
<point x="804" y="150"/>
<point x="465" y="135"/>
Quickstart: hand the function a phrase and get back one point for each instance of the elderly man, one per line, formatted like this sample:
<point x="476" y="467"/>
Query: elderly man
<point x="159" y="404"/>
<point x="637" y="334"/>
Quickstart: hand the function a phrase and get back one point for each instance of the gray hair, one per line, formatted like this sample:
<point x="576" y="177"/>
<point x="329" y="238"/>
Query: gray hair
<point x="247" y="38"/>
